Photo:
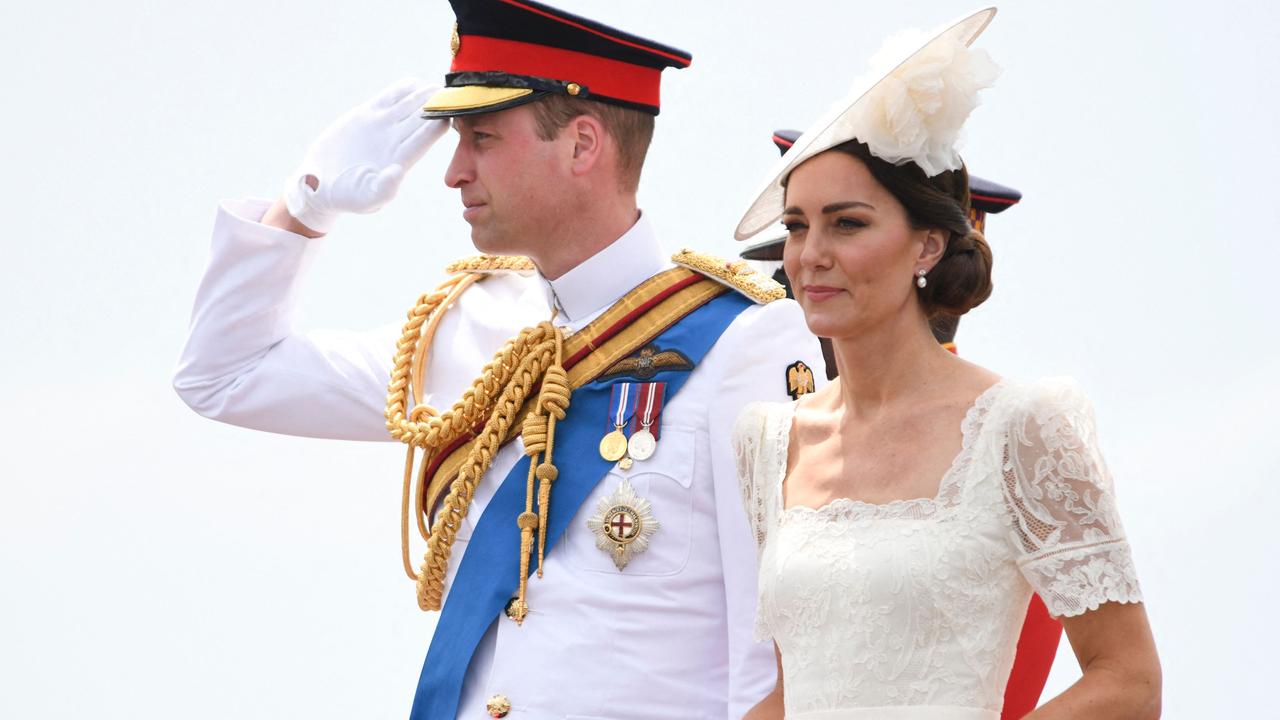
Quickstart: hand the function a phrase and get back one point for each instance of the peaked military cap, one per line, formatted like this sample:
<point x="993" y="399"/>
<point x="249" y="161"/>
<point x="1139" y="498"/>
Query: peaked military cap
<point x="985" y="197"/>
<point x="510" y="52"/>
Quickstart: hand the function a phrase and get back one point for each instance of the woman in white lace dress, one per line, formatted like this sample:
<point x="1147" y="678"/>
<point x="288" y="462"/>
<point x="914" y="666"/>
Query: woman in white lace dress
<point x="906" y="512"/>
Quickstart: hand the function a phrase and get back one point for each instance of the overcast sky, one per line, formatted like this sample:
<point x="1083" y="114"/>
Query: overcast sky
<point x="157" y="565"/>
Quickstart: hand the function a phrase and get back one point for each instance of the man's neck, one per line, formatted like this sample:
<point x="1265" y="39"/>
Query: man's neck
<point x="581" y="235"/>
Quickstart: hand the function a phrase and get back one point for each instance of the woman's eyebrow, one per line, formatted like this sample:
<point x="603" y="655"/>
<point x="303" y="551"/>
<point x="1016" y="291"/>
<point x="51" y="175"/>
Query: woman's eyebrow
<point x="837" y="207"/>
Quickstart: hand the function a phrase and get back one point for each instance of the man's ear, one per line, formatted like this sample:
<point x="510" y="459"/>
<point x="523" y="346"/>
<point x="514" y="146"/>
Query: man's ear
<point x="589" y="140"/>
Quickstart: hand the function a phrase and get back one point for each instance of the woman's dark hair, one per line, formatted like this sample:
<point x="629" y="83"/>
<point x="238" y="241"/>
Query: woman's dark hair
<point x="961" y="280"/>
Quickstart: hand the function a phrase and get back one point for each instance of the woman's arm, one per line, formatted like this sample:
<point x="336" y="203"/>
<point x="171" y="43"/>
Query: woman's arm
<point x="1121" y="671"/>
<point x="770" y="708"/>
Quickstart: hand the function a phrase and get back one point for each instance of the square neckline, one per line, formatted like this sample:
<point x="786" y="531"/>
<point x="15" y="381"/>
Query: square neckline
<point x="970" y="424"/>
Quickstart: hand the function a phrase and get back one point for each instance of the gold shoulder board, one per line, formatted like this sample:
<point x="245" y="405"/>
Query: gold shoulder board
<point x="491" y="264"/>
<point x="736" y="274"/>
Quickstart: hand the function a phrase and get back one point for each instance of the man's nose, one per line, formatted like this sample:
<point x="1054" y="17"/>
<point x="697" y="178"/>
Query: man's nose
<point x="461" y="170"/>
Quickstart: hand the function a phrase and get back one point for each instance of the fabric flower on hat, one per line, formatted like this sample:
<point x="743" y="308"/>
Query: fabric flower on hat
<point x="915" y="113"/>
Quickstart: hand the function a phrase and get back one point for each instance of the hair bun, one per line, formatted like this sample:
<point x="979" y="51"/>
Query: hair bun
<point x="961" y="281"/>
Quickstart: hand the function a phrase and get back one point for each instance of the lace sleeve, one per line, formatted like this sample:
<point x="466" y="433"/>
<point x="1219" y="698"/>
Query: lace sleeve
<point x="1065" y="528"/>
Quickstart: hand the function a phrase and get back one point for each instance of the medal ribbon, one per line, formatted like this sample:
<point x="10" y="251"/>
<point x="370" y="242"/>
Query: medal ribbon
<point x="622" y="405"/>
<point x="649" y="407"/>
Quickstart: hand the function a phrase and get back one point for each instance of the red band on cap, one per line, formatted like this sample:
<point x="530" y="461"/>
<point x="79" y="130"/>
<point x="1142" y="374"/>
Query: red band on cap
<point x="993" y="199"/>
<point x="601" y="76"/>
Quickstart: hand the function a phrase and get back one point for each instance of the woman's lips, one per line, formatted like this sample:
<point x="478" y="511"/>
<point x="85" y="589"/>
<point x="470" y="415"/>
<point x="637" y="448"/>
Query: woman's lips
<point x="819" y="293"/>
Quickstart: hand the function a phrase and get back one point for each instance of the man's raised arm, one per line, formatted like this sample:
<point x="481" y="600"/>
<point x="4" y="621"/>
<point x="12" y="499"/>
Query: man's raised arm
<point x="243" y="362"/>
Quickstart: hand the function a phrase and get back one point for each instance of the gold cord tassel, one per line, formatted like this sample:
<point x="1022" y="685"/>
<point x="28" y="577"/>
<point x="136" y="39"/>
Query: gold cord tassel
<point x="538" y="433"/>
<point x="554" y="400"/>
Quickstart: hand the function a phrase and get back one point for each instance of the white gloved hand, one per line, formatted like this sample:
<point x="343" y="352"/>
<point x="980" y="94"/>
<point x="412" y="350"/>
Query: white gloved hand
<point x="357" y="163"/>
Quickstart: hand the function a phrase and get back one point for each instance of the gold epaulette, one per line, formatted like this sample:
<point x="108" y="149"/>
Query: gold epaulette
<point x="491" y="264"/>
<point x="736" y="274"/>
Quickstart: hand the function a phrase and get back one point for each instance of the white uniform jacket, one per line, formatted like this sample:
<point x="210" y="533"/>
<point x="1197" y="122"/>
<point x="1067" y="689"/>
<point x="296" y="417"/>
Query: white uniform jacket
<point x="669" y="636"/>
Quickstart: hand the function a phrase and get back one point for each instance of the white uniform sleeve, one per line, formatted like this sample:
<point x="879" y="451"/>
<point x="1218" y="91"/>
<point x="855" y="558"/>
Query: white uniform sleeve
<point x="244" y="363"/>
<point x="751" y="359"/>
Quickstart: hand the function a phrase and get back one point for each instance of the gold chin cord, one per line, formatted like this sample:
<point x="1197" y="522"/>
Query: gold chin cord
<point x="533" y="357"/>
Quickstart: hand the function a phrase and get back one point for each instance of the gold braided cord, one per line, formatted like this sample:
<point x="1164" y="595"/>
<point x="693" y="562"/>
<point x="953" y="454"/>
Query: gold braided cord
<point x="428" y="334"/>
<point x="523" y="361"/>
<point x="491" y="264"/>
<point x="411" y="351"/>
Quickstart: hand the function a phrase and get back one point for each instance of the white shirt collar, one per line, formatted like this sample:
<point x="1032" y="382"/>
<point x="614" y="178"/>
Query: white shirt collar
<point x="600" y="280"/>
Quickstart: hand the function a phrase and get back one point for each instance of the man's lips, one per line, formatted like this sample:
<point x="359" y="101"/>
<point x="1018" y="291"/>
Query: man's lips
<point x="471" y="208"/>
<point x="818" y="293"/>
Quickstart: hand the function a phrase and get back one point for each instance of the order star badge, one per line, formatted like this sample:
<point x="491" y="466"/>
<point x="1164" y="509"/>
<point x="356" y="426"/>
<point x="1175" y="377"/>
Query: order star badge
<point x="623" y="524"/>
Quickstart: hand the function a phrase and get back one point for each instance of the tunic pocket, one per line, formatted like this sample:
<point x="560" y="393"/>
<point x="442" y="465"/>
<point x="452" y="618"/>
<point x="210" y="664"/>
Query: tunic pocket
<point x="664" y="480"/>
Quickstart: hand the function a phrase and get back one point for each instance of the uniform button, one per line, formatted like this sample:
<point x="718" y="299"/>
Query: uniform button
<point x="498" y="706"/>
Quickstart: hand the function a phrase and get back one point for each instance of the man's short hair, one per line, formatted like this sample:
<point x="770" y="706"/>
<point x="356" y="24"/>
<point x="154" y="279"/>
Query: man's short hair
<point x="632" y="130"/>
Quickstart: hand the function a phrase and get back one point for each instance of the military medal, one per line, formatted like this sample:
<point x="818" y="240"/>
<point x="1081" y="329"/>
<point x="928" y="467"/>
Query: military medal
<point x="644" y="441"/>
<point x="622" y="405"/>
<point x="613" y="446"/>
<point x="641" y="445"/>
<point x="623" y="524"/>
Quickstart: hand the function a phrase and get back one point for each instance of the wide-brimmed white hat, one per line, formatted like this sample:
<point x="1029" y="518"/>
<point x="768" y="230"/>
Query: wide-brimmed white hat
<point x="908" y="108"/>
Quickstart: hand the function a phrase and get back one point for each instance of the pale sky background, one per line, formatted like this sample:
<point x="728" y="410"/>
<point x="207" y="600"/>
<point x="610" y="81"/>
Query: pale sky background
<point x="157" y="565"/>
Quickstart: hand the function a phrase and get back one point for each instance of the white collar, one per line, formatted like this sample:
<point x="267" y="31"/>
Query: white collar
<point x="600" y="280"/>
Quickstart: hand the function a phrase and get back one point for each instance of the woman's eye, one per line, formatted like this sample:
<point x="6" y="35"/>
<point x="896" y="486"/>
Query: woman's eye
<point x="793" y="226"/>
<point x="846" y="223"/>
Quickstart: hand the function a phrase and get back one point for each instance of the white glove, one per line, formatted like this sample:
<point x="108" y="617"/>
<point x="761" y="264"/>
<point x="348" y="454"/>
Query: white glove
<point x="357" y="163"/>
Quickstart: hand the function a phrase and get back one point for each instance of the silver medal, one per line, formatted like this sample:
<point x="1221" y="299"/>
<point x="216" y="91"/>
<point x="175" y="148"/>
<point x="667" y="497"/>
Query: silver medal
<point x="642" y="444"/>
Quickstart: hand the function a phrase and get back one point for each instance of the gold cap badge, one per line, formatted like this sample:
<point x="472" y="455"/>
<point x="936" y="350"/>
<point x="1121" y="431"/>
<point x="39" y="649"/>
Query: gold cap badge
<point x="455" y="42"/>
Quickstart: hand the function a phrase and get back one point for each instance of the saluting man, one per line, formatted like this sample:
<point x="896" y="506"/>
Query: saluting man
<point x="566" y="400"/>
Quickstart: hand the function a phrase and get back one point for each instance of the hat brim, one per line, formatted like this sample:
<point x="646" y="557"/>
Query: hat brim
<point x="832" y="130"/>
<point x="767" y="250"/>
<point x="475" y="99"/>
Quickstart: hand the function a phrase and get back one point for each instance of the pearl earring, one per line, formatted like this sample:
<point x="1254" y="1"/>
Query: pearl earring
<point x="921" y="280"/>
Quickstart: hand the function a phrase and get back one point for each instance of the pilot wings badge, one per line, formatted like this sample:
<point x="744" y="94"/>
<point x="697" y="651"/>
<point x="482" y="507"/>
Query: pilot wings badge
<point x="623" y="524"/>
<point x="648" y="362"/>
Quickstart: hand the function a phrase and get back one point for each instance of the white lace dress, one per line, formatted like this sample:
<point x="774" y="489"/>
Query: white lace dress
<point x="912" y="609"/>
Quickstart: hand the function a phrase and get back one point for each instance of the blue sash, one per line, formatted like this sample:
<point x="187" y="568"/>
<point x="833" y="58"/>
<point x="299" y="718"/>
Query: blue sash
<point x="489" y="574"/>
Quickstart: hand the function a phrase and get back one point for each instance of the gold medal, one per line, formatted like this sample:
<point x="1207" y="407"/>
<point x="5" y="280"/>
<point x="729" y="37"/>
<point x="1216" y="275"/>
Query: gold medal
<point x="613" y="447"/>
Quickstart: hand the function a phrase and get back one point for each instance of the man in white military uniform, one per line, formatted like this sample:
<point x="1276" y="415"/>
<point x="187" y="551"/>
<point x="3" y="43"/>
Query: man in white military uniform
<point x="644" y="607"/>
